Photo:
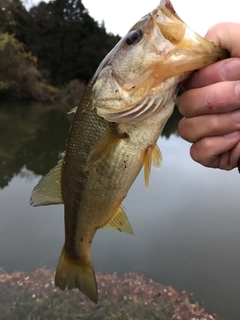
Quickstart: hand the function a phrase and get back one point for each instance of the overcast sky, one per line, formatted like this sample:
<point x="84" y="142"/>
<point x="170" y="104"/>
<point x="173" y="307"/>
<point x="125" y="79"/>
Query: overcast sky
<point x="119" y="16"/>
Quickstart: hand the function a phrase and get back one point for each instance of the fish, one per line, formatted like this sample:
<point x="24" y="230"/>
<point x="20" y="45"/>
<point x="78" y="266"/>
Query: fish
<point x="114" y="134"/>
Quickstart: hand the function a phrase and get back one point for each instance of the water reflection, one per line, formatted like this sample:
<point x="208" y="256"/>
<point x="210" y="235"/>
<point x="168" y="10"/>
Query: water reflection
<point x="31" y="137"/>
<point x="186" y="227"/>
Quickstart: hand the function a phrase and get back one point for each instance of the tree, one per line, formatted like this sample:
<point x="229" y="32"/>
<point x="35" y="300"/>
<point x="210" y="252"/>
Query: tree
<point x="13" y="18"/>
<point x="68" y="43"/>
<point x="19" y="74"/>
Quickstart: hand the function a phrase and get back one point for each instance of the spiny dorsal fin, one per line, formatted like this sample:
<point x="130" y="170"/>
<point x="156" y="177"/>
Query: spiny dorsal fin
<point x="119" y="221"/>
<point x="106" y="143"/>
<point x="48" y="190"/>
<point x="73" y="110"/>
<point x="152" y="156"/>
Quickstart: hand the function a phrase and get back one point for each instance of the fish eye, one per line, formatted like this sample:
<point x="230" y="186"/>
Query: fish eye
<point x="134" y="36"/>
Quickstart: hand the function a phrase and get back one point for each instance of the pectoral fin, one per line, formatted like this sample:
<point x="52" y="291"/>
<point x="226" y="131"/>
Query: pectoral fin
<point x="48" y="190"/>
<point x="120" y="222"/>
<point x="106" y="143"/>
<point x="152" y="156"/>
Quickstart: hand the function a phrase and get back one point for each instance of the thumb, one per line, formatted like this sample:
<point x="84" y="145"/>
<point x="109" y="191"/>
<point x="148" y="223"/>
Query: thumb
<point x="226" y="35"/>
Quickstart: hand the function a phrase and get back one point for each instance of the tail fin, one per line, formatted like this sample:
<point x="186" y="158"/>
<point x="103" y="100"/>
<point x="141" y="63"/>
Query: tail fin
<point x="70" y="275"/>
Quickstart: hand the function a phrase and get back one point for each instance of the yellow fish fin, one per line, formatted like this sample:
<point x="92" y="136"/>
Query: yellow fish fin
<point x="152" y="156"/>
<point x="78" y="274"/>
<point x="73" y="110"/>
<point x="119" y="221"/>
<point x="106" y="143"/>
<point x="156" y="157"/>
<point x="48" y="190"/>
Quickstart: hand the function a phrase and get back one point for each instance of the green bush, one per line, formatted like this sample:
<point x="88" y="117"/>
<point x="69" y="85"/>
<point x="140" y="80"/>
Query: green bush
<point x="19" y="74"/>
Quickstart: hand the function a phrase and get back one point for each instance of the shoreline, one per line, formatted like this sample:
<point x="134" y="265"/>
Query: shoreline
<point x="121" y="297"/>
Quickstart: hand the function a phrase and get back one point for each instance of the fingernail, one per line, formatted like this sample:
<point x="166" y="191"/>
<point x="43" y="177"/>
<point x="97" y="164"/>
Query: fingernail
<point x="230" y="70"/>
<point x="231" y="135"/>
<point x="237" y="90"/>
<point x="236" y="116"/>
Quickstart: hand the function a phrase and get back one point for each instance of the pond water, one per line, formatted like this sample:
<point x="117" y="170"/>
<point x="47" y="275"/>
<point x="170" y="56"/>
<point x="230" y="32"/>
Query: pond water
<point x="187" y="226"/>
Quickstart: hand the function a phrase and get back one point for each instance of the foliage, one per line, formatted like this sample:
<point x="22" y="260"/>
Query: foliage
<point x="121" y="297"/>
<point x="67" y="42"/>
<point x="19" y="75"/>
<point x="33" y="296"/>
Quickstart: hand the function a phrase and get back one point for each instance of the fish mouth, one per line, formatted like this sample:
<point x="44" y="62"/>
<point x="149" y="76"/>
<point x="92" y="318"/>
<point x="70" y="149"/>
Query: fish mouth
<point x="176" y="31"/>
<point x="178" y="51"/>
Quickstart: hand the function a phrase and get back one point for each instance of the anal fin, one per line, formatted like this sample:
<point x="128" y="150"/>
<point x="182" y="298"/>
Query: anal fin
<point x="152" y="156"/>
<point x="119" y="221"/>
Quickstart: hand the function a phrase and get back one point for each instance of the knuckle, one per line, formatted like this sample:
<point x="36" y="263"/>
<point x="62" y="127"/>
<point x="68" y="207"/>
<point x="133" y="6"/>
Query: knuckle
<point x="185" y="130"/>
<point x="181" y="104"/>
<point x="194" y="153"/>
<point x="207" y="144"/>
<point x="213" y="124"/>
<point x="181" y="127"/>
<point x="201" y="151"/>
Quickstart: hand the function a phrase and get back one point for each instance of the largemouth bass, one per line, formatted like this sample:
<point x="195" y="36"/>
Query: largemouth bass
<point x="114" y="134"/>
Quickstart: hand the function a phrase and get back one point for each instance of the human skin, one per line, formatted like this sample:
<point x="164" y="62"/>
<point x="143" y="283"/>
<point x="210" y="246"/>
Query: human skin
<point x="211" y="104"/>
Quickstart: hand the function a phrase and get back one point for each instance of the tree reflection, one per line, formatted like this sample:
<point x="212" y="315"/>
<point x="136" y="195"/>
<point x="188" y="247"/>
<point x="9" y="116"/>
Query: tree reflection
<point x="34" y="138"/>
<point x="30" y="138"/>
<point x="43" y="151"/>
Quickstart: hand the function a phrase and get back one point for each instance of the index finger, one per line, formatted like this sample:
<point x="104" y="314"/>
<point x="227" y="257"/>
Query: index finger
<point x="225" y="70"/>
<point x="216" y="98"/>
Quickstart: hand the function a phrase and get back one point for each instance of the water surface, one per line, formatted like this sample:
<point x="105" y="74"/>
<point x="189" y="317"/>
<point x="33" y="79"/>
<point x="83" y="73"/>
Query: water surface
<point x="186" y="226"/>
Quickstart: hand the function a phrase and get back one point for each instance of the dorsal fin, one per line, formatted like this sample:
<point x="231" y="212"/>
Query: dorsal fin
<point x="48" y="190"/>
<point x="119" y="221"/>
<point x="152" y="156"/>
<point x="73" y="110"/>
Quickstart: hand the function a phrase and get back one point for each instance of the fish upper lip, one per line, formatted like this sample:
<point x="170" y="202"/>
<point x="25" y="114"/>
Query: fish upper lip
<point x="169" y="10"/>
<point x="183" y="35"/>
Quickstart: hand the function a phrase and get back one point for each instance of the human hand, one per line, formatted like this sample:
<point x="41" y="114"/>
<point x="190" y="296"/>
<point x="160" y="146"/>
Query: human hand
<point x="211" y="104"/>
